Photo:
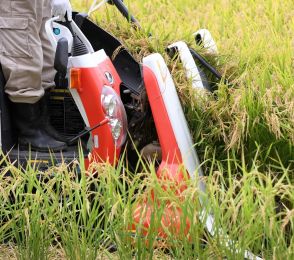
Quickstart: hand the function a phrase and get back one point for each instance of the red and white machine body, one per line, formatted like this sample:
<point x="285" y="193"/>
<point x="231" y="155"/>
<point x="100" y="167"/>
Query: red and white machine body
<point x="95" y="87"/>
<point x="94" y="80"/>
<point x="179" y="158"/>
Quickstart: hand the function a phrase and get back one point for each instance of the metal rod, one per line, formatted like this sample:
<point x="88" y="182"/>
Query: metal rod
<point x="103" y="122"/>
<point x="203" y="62"/>
<point x="94" y="7"/>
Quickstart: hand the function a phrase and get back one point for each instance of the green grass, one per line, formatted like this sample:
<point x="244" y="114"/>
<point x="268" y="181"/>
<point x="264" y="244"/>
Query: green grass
<point x="244" y="135"/>
<point x="83" y="217"/>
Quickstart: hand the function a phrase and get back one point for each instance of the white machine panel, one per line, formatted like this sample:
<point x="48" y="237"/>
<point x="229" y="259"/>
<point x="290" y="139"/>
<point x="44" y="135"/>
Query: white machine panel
<point x="207" y="41"/>
<point x="189" y="64"/>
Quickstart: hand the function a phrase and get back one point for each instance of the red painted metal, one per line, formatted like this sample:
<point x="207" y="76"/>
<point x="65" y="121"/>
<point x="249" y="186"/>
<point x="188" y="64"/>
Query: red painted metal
<point x="171" y="155"/>
<point x="170" y="172"/>
<point x="91" y="83"/>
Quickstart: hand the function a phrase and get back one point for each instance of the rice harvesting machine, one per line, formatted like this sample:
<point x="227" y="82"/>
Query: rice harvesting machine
<point x="112" y="103"/>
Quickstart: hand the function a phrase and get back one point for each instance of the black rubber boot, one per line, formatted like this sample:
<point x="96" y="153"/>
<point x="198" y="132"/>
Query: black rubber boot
<point x="31" y="133"/>
<point x="45" y="119"/>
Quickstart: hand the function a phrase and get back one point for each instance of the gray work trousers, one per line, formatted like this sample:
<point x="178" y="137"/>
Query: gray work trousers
<point x="26" y="55"/>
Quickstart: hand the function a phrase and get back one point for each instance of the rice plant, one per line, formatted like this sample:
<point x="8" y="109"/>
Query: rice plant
<point x="244" y="134"/>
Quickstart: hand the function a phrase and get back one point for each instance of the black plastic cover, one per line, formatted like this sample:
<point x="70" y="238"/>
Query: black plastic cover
<point x="127" y="67"/>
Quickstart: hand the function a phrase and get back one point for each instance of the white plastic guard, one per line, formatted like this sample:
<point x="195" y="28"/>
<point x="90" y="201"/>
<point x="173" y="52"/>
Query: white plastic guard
<point x="189" y="64"/>
<point x="207" y="41"/>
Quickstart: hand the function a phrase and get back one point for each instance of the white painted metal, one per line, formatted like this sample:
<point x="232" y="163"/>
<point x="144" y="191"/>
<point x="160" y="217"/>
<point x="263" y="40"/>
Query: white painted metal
<point x="83" y="61"/>
<point x="99" y="56"/>
<point x="189" y="64"/>
<point x="207" y="41"/>
<point x="89" y="60"/>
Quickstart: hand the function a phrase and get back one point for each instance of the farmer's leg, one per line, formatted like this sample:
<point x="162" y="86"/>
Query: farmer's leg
<point x="21" y="58"/>
<point x="48" y="72"/>
<point x="21" y="54"/>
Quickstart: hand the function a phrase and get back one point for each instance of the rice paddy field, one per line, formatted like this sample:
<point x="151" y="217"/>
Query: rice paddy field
<point x="243" y="133"/>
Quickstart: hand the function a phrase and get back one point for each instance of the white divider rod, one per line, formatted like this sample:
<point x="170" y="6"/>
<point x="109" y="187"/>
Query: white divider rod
<point x="94" y="7"/>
